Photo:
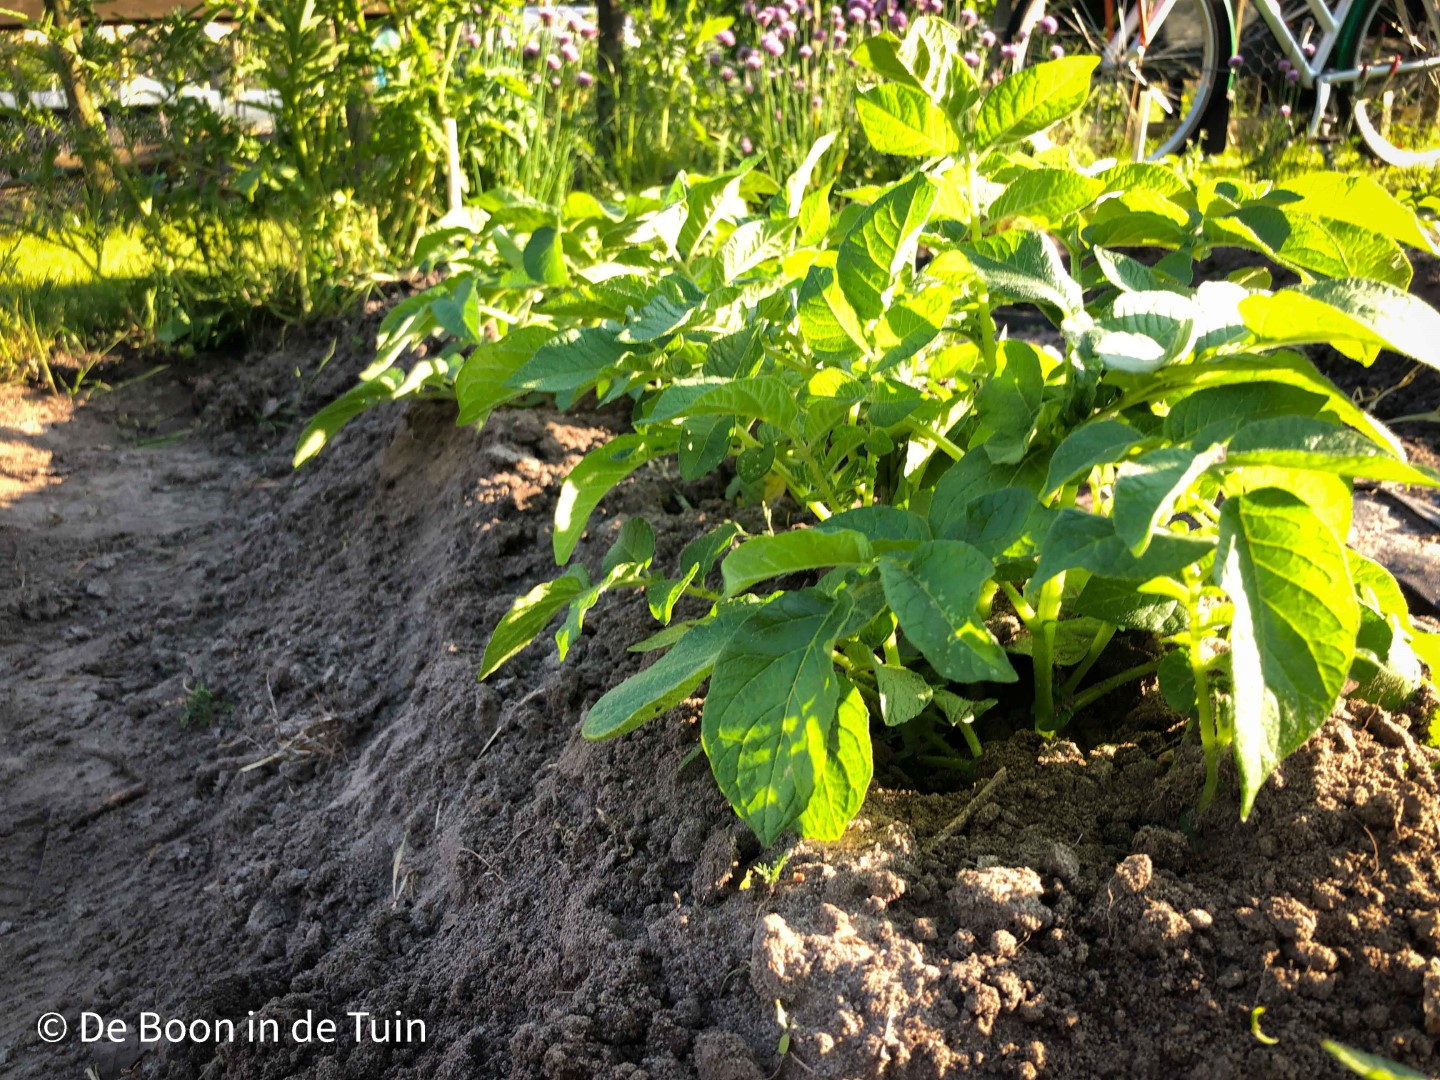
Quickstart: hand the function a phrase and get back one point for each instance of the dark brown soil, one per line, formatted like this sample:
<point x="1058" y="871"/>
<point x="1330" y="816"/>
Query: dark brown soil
<point x="355" y="824"/>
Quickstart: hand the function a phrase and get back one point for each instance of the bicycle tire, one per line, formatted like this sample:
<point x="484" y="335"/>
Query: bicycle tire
<point x="1182" y="67"/>
<point x="1398" y="116"/>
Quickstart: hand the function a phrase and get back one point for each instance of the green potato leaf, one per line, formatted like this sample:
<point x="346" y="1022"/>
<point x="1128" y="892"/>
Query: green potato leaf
<point x="840" y="786"/>
<point x="935" y="594"/>
<point x="882" y="241"/>
<point x="569" y="361"/>
<point x="1081" y="541"/>
<point x="667" y="682"/>
<point x="772" y="702"/>
<point x="763" y="557"/>
<point x="529" y="615"/>
<point x="1147" y="488"/>
<point x="1357" y="316"/>
<point x="903" y="121"/>
<point x="1100" y="442"/>
<point x="1032" y="99"/>
<point x="1292" y="639"/>
<point x="590" y="480"/>
<point x="1301" y="442"/>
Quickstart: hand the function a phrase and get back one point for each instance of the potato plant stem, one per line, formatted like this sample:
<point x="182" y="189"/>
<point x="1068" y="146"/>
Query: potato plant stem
<point x="1092" y="694"/>
<point x="1204" y="707"/>
<point x="1042" y="631"/>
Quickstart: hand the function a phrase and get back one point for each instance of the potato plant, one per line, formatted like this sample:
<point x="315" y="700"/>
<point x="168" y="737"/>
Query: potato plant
<point x="1172" y="464"/>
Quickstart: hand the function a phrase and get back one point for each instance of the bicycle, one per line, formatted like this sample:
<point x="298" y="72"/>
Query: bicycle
<point x="1166" y="68"/>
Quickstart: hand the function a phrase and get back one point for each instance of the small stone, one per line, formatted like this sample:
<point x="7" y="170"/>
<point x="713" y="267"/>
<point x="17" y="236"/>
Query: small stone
<point x="1165" y="846"/>
<point x="1387" y="732"/>
<point x="1161" y="930"/>
<point x="1000" y="898"/>
<point x="1317" y="957"/>
<point x="723" y="1055"/>
<point x="925" y="930"/>
<point x="1132" y="876"/>
<point x="1200" y="919"/>
<point x="1061" y="861"/>
<point x="1004" y="944"/>
<point x="777" y="958"/>
<point x="1432" y="999"/>
<point x="1290" y="918"/>
<point x="715" y="867"/>
<point x="1425" y="925"/>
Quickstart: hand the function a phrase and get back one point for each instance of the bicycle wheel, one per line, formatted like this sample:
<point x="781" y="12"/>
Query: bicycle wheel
<point x="1398" y="112"/>
<point x="1144" y="103"/>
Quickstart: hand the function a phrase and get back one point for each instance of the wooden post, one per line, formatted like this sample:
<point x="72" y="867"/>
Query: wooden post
<point x="610" y="47"/>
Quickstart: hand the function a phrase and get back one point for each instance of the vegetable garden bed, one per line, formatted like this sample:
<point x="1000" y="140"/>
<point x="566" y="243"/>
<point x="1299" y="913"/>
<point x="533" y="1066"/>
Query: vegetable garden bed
<point x="554" y="907"/>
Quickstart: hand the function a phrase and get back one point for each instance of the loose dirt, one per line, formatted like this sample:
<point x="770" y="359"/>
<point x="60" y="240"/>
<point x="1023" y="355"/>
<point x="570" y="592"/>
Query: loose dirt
<point x="247" y="774"/>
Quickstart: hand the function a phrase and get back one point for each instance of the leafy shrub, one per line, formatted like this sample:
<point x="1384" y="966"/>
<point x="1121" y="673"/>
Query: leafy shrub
<point x="1170" y="465"/>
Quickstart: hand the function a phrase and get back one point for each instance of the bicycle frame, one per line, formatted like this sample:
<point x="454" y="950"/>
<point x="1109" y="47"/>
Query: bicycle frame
<point x="1336" y="26"/>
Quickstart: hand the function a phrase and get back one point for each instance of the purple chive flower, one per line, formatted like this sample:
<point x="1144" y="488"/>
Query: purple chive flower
<point x="968" y="17"/>
<point x="788" y="30"/>
<point x="839" y="38"/>
<point x="1308" y="48"/>
<point x="819" y="36"/>
<point x="1285" y="111"/>
<point x="746" y="146"/>
<point x="806" y="52"/>
<point x="856" y="15"/>
<point x="754" y="61"/>
<point x="1057" y="52"/>
<point x="573" y="25"/>
<point x="589" y="32"/>
<point x="1284" y="65"/>
<point x="713" y="58"/>
<point x="873" y="26"/>
<point x="837" y="21"/>
<point x="531" y="51"/>
<point x="534" y="78"/>
<point x="1049" y="25"/>
<point x="726" y="38"/>
<point x="766" y="17"/>
<point x="779" y="116"/>
<point x="1009" y="52"/>
<point x="1237" y="62"/>
<point x="566" y="39"/>
<point x="791" y="6"/>
<point x="1292" y="76"/>
<point x="772" y="44"/>
<point x="570" y="53"/>
<point x="899" y="22"/>
<point x="749" y="9"/>
<point x="547" y="17"/>
<point x="584" y="80"/>
<point x="972" y="58"/>
<point x="727" y="74"/>
<point x="815" y="103"/>
<point x="473" y="40"/>
<point x="552" y="62"/>
<point x="749" y="87"/>
<point x="987" y="39"/>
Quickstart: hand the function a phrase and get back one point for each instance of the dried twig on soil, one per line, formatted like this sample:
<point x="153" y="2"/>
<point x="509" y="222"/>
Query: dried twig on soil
<point x="983" y="796"/>
<point x="119" y="799"/>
